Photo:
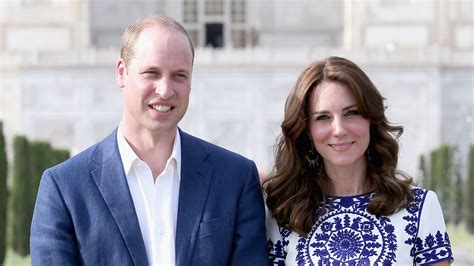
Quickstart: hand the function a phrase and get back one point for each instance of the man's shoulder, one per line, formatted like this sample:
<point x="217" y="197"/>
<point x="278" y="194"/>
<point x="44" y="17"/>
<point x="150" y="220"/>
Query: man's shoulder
<point x="85" y="158"/>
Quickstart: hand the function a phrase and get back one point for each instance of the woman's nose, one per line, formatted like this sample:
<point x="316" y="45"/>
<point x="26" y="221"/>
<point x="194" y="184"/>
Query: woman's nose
<point x="338" y="126"/>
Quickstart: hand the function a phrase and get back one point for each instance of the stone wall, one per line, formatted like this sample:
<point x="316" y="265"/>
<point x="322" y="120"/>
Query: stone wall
<point x="57" y="61"/>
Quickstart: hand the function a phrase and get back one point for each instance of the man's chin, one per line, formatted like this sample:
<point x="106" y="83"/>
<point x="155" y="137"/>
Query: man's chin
<point x="162" y="127"/>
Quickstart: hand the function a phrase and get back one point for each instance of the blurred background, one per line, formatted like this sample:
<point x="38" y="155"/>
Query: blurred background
<point x="58" y="93"/>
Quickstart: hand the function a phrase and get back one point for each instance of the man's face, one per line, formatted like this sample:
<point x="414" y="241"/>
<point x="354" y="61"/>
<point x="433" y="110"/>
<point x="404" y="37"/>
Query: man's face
<point x="157" y="82"/>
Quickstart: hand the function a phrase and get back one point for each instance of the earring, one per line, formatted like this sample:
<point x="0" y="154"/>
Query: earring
<point x="367" y="152"/>
<point x="312" y="157"/>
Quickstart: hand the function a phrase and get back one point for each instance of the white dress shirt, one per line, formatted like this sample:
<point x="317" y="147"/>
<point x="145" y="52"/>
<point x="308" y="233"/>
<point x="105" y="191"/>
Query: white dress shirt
<point x="156" y="203"/>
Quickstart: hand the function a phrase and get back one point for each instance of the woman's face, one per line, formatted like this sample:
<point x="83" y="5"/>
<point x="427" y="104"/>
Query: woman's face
<point x="340" y="134"/>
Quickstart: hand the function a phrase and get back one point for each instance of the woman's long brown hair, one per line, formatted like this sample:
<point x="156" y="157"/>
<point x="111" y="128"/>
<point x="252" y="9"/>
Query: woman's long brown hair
<point x="294" y="190"/>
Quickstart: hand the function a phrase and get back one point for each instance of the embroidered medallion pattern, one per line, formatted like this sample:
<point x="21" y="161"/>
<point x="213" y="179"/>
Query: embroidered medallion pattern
<point x="342" y="239"/>
<point x="345" y="233"/>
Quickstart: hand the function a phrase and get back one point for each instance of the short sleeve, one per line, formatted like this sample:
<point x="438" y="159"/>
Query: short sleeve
<point x="277" y="241"/>
<point x="432" y="242"/>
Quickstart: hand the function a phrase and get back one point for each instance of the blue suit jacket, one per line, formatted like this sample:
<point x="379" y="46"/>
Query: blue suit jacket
<point x="84" y="212"/>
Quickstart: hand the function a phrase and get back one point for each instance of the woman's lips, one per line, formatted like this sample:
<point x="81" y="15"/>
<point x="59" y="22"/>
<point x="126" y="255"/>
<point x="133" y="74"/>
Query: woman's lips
<point x="341" y="146"/>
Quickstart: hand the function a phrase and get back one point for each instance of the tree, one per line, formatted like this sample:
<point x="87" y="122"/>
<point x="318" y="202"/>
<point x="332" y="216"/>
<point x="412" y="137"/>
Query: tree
<point x="422" y="173"/>
<point x="453" y="188"/>
<point x="60" y="155"/>
<point x="445" y="180"/>
<point x="434" y="170"/>
<point x="458" y="193"/>
<point x="3" y="196"/>
<point x="40" y="153"/>
<point x="20" y="196"/>
<point x="442" y="178"/>
<point x="470" y="192"/>
<point x="40" y="159"/>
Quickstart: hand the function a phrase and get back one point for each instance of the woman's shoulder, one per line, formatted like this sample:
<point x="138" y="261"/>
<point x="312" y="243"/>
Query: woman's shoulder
<point x="416" y="190"/>
<point x="278" y="240"/>
<point x="423" y="195"/>
<point x="273" y="229"/>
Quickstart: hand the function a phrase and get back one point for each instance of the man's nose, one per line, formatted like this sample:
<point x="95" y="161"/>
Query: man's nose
<point x="164" y="88"/>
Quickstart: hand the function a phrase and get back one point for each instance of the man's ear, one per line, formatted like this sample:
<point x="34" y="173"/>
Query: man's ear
<point x="120" y="73"/>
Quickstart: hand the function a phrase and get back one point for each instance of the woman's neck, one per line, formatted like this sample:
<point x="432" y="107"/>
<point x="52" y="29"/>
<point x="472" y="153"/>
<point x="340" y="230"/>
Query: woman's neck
<point x="348" y="181"/>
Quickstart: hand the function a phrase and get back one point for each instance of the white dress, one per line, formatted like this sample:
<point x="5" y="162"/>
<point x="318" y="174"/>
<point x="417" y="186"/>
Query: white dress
<point x="347" y="234"/>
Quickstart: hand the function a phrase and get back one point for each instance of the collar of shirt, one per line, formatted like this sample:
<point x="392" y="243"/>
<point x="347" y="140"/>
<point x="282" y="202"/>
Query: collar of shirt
<point x="129" y="156"/>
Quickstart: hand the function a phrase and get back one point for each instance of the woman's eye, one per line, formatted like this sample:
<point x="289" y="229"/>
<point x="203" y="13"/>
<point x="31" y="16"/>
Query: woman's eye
<point x="352" y="113"/>
<point x="321" y="117"/>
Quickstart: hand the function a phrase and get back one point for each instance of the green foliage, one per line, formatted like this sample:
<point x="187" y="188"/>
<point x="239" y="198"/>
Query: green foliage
<point x="30" y="161"/>
<point x="60" y="155"/>
<point x="446" y="180"/>
<point x="453" y="188"/>
<point x="40" y="158"/>
<point x="434" y="170"/>
<point x="458" y="194"/>
<point x="470" y="192"/>
<point x="443" y="178"/>
<point x="422" y="172"/>
<point x="3" y="196"/>
<point x="20" y="201"/>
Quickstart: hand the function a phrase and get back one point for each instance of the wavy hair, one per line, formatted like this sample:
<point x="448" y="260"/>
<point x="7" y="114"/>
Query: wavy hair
<point x="294" y="191"/>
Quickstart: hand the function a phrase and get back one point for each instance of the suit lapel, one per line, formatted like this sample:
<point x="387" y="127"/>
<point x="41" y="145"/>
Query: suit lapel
<point x="110" y="179"/>
<point x="194" y="186"/>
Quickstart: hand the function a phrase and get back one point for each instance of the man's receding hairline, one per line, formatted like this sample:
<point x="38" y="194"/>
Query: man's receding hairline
<point x="166" y="29"/>
<point x="163" y="23"/>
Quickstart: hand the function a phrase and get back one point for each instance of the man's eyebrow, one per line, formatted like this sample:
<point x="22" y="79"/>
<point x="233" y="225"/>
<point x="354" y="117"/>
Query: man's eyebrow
<point x="182" y="70"/>
<point x="148" y="67"/>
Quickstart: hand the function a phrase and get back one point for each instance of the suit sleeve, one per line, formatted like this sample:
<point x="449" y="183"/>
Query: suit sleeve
<point x="249" y="246"/>
<point x="52" y="239"/>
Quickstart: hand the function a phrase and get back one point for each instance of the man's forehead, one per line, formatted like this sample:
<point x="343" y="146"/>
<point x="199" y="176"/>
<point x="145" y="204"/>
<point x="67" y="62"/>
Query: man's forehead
<point x="165" y="60"/>
<point x="158" y="32"/>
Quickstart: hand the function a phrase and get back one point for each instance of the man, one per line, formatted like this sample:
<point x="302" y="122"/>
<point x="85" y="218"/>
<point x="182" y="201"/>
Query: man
<point x="150" y="194"/>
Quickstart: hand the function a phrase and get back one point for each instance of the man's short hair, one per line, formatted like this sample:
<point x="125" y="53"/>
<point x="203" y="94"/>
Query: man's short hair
<point x="132" y="32"/>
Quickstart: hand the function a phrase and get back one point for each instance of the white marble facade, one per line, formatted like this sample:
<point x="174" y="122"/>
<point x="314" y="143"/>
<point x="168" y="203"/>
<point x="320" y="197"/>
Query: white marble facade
<point x="57" y="60"/>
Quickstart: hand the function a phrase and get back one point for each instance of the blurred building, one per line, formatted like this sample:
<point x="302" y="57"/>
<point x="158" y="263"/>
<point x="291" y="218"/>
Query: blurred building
<point x="57" y="62"/>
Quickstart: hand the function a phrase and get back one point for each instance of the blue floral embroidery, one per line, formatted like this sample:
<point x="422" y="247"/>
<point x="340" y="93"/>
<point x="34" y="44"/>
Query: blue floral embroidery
<point x="338" y="238"/>
<point x="277" y="253"/>
<point x="434" y="247"/>
<point x="346" y="234"/>
<point x="346" y="244"/>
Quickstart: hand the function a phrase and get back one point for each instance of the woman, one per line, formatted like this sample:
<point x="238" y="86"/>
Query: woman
<point x="334" y="195"/>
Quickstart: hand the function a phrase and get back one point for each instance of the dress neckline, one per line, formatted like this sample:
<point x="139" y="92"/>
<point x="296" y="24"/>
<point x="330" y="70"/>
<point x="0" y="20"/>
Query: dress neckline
<point x="351" y="196"/>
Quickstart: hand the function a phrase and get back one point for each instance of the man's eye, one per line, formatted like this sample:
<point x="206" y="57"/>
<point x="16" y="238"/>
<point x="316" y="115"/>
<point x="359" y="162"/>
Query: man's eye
<point x="181" y="76"/>
<point x="150" y="73"/>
